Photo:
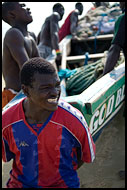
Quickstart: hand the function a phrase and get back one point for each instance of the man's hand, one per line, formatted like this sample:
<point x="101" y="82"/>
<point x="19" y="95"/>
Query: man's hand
<point x="58" y="60"/>
<point x="113" y="57"/>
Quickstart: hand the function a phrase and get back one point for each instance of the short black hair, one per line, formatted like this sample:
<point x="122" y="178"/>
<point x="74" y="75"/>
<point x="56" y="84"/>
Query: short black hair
<point x="57" y="6"/>
<point x="32" y="66"/>
<point x="7" y="6"/>
<point x="77" y="5"/>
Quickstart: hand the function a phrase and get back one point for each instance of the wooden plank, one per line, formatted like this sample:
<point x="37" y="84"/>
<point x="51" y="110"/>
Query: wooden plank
<point x="66" y="48"/>
<point x="72" y="59"/>
<point x="64" y="54"/>
<point x="63" y="66"/>
<point x="99" y="37"/>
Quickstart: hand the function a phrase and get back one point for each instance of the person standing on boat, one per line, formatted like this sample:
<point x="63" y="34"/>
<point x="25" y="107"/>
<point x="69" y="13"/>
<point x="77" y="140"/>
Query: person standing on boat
<point x="118" y="42"/>
<point x="50" y="139"/>
<point x="70" y="24"/>
<point x="48" y="37"/>
<point x="18" y="46"/>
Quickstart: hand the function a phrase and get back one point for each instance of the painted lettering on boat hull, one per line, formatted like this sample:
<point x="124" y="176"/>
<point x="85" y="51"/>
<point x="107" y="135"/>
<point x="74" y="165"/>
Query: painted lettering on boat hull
<point x="107" y="109"/>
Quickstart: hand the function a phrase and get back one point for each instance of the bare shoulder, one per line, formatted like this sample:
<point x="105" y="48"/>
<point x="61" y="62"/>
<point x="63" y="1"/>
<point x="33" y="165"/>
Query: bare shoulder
<point x="55" y="16"/>
<point x="75" y="13"/>
<point x="13" y="33"/>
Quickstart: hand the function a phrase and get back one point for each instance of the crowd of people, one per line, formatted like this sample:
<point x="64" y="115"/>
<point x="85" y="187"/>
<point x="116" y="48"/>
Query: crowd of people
<point x="47" y="138"/>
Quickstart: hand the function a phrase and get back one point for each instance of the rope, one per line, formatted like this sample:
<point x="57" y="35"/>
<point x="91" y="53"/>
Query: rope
<point x="98" y="32"/>
<point x="86" y="58"/>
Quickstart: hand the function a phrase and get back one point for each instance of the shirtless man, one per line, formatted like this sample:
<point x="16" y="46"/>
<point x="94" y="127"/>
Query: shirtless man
<point x="18" y="47"/>
<point x="70" y="24"/>
<point x="48" y="37"/>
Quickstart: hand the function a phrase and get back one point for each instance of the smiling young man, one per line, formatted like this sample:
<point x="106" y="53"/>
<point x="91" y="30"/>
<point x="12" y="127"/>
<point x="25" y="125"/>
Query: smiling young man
<point x="18" y="46"/>
<point x="46" y="137"/>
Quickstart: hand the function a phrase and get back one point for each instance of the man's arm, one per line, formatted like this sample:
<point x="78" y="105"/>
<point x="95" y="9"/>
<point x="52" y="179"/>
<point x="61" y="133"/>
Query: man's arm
<point x="74" y="20"/>
<point x="113" y="56"/>
<point x="54" y="28"/>
<point x="15" y="43"/>
<point x="117" y="44"/>
<point x="7" y="155"/>
<point x="54" y="31"/>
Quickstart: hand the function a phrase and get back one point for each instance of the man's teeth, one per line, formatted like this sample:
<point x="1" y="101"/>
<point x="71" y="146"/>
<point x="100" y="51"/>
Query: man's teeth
<point x="52" y="100"/>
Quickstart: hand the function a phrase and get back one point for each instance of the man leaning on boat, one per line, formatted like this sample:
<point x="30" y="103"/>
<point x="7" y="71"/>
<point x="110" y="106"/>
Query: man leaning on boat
<point x="118" y="42"/>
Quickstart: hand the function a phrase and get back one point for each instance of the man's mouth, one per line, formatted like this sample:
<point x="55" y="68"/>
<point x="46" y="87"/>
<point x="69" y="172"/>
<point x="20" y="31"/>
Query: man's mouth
<point x="53" y="100"/>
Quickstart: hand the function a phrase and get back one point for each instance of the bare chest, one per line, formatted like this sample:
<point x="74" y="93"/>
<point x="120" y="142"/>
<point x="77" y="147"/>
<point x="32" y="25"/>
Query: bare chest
<point x="28" y="43"/>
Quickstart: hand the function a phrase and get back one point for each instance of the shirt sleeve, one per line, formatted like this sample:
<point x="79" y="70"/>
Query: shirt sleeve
<point x="7" y="155"/>
<point x="73" y="120"/>
<point x="81" y="132"/>
<point x="87" y="145"/>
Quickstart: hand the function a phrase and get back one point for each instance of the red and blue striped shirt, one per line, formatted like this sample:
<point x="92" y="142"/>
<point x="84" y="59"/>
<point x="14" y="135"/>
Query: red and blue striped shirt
<point x="45" y="157"/>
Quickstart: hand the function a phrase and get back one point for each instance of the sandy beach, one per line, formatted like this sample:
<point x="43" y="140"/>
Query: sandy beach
<point x="110" y="158"/>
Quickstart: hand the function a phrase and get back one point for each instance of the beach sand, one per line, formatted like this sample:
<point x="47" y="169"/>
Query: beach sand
<point x="110" y="158"/>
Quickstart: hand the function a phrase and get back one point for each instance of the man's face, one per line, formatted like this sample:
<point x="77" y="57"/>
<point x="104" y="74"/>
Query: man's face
<point x="22" y="14"/>
<point x="80" y="8"/>
<point x="61" y="12"/>
<point x="45" y="91"/>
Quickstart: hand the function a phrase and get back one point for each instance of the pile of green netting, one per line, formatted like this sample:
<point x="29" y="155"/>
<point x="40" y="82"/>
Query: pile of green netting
<point x="87" y="75"/>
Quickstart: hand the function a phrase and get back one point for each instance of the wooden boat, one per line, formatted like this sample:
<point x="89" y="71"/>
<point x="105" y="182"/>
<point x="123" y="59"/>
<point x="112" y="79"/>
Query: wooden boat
<point x="101" y="101"/>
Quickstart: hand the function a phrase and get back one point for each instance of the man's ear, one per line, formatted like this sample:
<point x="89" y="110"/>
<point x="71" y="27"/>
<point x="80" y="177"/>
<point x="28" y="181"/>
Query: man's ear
<point x="25" y="90"/>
